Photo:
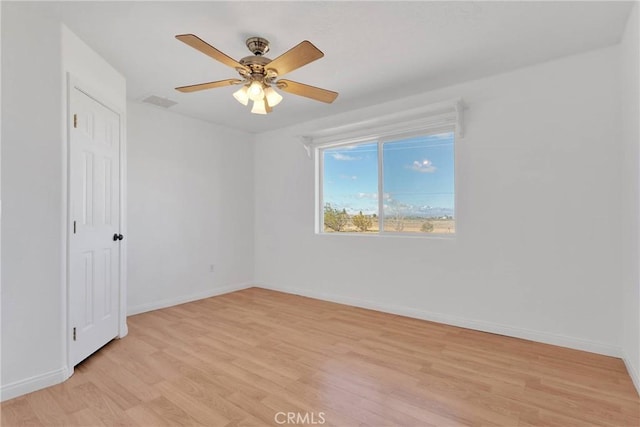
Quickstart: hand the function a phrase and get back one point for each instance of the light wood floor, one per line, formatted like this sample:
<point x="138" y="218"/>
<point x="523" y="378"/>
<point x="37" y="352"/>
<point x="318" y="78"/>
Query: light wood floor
<point x="241" y="358"/>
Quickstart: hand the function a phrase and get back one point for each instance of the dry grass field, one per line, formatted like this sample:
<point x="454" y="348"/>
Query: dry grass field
<point x="409" y="225"/>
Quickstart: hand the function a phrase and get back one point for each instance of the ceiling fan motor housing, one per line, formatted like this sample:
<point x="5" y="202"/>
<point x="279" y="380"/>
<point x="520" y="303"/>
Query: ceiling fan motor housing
<point x="257" y="45"/>
<point x="257" y="66"/>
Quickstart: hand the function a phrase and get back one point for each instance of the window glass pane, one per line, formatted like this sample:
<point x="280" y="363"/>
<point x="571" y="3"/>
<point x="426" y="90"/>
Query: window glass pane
<point x="350" y="188"/>
<point x="418" y="184"/>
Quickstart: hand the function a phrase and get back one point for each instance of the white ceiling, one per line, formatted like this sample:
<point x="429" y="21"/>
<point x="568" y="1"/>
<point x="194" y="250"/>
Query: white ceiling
<point x="374" y="51"/>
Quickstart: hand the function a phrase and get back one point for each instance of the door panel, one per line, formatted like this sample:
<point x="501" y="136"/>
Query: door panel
<point x="94" y="202"/>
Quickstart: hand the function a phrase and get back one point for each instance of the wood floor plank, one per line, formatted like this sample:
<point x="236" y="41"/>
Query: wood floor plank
<point x="101" y="406"/>
<point x="144" y="416"/>
<point x="198" y="411"/>
<point x="173" y="414"/>
<point x="19" y="412"/>
<point x="47" y="409"/>
<point x="85" y="417"/>
<point x="208" y="395"/>
<point x="64" y="396"/>
<point x="242" y="358"/>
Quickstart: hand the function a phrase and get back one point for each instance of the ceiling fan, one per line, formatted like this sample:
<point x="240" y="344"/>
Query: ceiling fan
<point x="259" y="74"/>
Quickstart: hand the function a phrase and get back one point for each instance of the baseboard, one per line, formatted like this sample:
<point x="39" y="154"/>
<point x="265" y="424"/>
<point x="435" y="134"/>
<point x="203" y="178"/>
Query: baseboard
<point x="35" y="383"/>
<point x="479" y="325"/>
<point x="155" y="305"/>
<point x="635" y="377"/>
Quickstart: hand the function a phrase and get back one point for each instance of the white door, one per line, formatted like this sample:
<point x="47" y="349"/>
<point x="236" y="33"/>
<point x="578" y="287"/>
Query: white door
<point x="94" y="239"/>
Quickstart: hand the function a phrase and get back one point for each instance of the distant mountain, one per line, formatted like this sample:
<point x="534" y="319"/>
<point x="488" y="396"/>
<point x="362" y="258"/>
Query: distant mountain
<point x="429" y="212"/>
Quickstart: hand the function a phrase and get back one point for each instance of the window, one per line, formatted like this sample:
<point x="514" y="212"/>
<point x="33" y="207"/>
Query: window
<point x="394" y="184"/>
<point x="391" y="174"/>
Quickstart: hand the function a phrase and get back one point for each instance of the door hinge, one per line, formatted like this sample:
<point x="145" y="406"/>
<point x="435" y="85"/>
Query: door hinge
<point x="74" y="334"/>
<point x="75" y="120"/>
<point x="74" y="227"/>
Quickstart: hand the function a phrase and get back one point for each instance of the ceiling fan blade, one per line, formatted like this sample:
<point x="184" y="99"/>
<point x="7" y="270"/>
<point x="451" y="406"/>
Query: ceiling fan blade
<point x="295" y="58"/>
<point x="210" y="85"/>
<point x="204" y="47"/>
<point x="307" y="91"/>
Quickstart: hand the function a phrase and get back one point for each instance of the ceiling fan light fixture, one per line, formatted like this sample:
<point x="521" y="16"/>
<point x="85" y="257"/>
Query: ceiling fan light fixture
<point x="259" y="107"/>
<point x="256" y="92"/>
<point x="242" y="95"/>
<point x="273" y="97"/>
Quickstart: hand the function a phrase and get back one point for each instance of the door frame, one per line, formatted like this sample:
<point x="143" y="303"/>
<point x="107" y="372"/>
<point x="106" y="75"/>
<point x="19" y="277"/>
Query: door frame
<point x="73" y="82"/>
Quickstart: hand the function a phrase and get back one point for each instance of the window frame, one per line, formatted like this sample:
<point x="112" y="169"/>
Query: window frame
<point x="319" y="150"/>
<point x="430" y="119"/>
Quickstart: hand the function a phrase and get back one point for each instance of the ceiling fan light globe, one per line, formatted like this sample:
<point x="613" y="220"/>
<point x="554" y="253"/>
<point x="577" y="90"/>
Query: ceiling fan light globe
<point x="242" y="95"/>
<point x="273" y="97"/>
<point x="256" y="92"/>
<point x="259" y="107"/>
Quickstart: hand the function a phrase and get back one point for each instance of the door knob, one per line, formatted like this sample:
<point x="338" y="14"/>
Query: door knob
<point x="117" y="237"/>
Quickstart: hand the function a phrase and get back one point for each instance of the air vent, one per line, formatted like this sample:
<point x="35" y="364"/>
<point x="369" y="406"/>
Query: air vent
<point x="159" y="101"/>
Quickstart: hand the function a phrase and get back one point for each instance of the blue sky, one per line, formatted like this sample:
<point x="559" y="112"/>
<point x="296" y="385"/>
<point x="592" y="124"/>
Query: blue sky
<point x="418" y="176"/>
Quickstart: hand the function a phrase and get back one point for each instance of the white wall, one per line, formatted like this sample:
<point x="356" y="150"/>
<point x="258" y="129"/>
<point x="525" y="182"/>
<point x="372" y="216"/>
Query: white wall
<point x="537" y="254"/>
<point x="35" y="60"/>
<point x="105" y="82"/>
<point x="630" y="95"/>
<point x="32" y="176"/>
<point x="0" y="200"/>
<point x="190" y="206"/>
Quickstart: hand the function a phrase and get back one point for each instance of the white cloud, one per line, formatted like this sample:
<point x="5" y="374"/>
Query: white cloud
<point x="425" y="166"/>
<point x="351" y="177"/>
<point x="373" y="196"/>
<point x="343" y="157"/>
<point x="370" y="196"/>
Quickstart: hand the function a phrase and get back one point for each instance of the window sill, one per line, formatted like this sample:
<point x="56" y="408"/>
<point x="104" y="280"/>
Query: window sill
<point x="428" y="236"/>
